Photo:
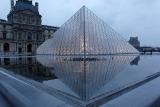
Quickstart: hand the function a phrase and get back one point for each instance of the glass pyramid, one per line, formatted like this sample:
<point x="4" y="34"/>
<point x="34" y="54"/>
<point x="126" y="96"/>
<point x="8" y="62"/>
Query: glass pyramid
<point x="85" y="34"/>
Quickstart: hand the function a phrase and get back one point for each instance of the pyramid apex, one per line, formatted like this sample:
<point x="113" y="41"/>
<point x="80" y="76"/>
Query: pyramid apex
<point x="84" y="6"/>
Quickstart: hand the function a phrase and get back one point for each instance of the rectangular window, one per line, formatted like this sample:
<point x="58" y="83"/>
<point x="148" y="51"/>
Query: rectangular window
<point x="4" y="35"/>
<point x="29" y="36"/>
<point x="19" y="36"/>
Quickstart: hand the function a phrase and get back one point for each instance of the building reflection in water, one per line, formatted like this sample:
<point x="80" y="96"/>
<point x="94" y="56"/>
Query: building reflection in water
<point x="86" y="77"/>
<point x="27" y="67"/>
<point x="135" y="61"/>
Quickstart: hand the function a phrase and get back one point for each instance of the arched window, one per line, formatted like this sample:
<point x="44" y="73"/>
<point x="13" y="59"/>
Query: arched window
<point x="6" y="47"/>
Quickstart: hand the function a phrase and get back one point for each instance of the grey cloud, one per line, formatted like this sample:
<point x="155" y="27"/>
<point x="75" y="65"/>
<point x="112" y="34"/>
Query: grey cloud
<point x="129" y="17"/>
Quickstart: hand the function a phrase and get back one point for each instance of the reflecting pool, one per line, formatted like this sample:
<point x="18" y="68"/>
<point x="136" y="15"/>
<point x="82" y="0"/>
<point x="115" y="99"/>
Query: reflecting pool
<point x="83" y="81"/>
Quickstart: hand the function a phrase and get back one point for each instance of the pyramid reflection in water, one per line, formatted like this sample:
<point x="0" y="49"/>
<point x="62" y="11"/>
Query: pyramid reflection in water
<point x="85" y="34"/>
<point x="86" y="78"/>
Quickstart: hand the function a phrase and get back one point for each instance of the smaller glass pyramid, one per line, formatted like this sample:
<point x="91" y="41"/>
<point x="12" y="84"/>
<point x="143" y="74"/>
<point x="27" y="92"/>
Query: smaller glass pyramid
<point x="85" y="34"/>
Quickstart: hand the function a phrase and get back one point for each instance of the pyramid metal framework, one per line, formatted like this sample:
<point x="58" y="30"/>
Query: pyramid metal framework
<point x="85" y="34"/>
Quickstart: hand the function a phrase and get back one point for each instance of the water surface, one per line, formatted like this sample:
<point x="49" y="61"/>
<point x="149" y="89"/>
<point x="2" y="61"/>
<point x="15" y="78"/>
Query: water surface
<point x="84" y="80"/>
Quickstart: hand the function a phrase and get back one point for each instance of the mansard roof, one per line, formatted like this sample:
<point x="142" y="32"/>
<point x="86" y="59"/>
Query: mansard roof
<point x="25" y="5"/>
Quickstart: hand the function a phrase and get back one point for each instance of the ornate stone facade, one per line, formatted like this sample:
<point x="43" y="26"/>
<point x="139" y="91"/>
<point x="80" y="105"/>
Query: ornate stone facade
<point x="23" y="32"/>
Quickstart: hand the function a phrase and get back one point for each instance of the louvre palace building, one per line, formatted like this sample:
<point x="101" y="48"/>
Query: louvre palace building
<point x="23" y="31"/>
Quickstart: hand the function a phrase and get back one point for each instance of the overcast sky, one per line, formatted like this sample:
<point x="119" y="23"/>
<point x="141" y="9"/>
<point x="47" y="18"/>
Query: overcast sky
<point x="128" y="17"/>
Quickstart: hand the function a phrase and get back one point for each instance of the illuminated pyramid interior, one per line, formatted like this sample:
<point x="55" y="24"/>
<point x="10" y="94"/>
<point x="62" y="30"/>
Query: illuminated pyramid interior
<point x="85" y="34"/>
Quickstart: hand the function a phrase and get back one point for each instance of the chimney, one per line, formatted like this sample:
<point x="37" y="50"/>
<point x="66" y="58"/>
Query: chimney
<point x="36" y="5"/>
<point x="12" y="4"/>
